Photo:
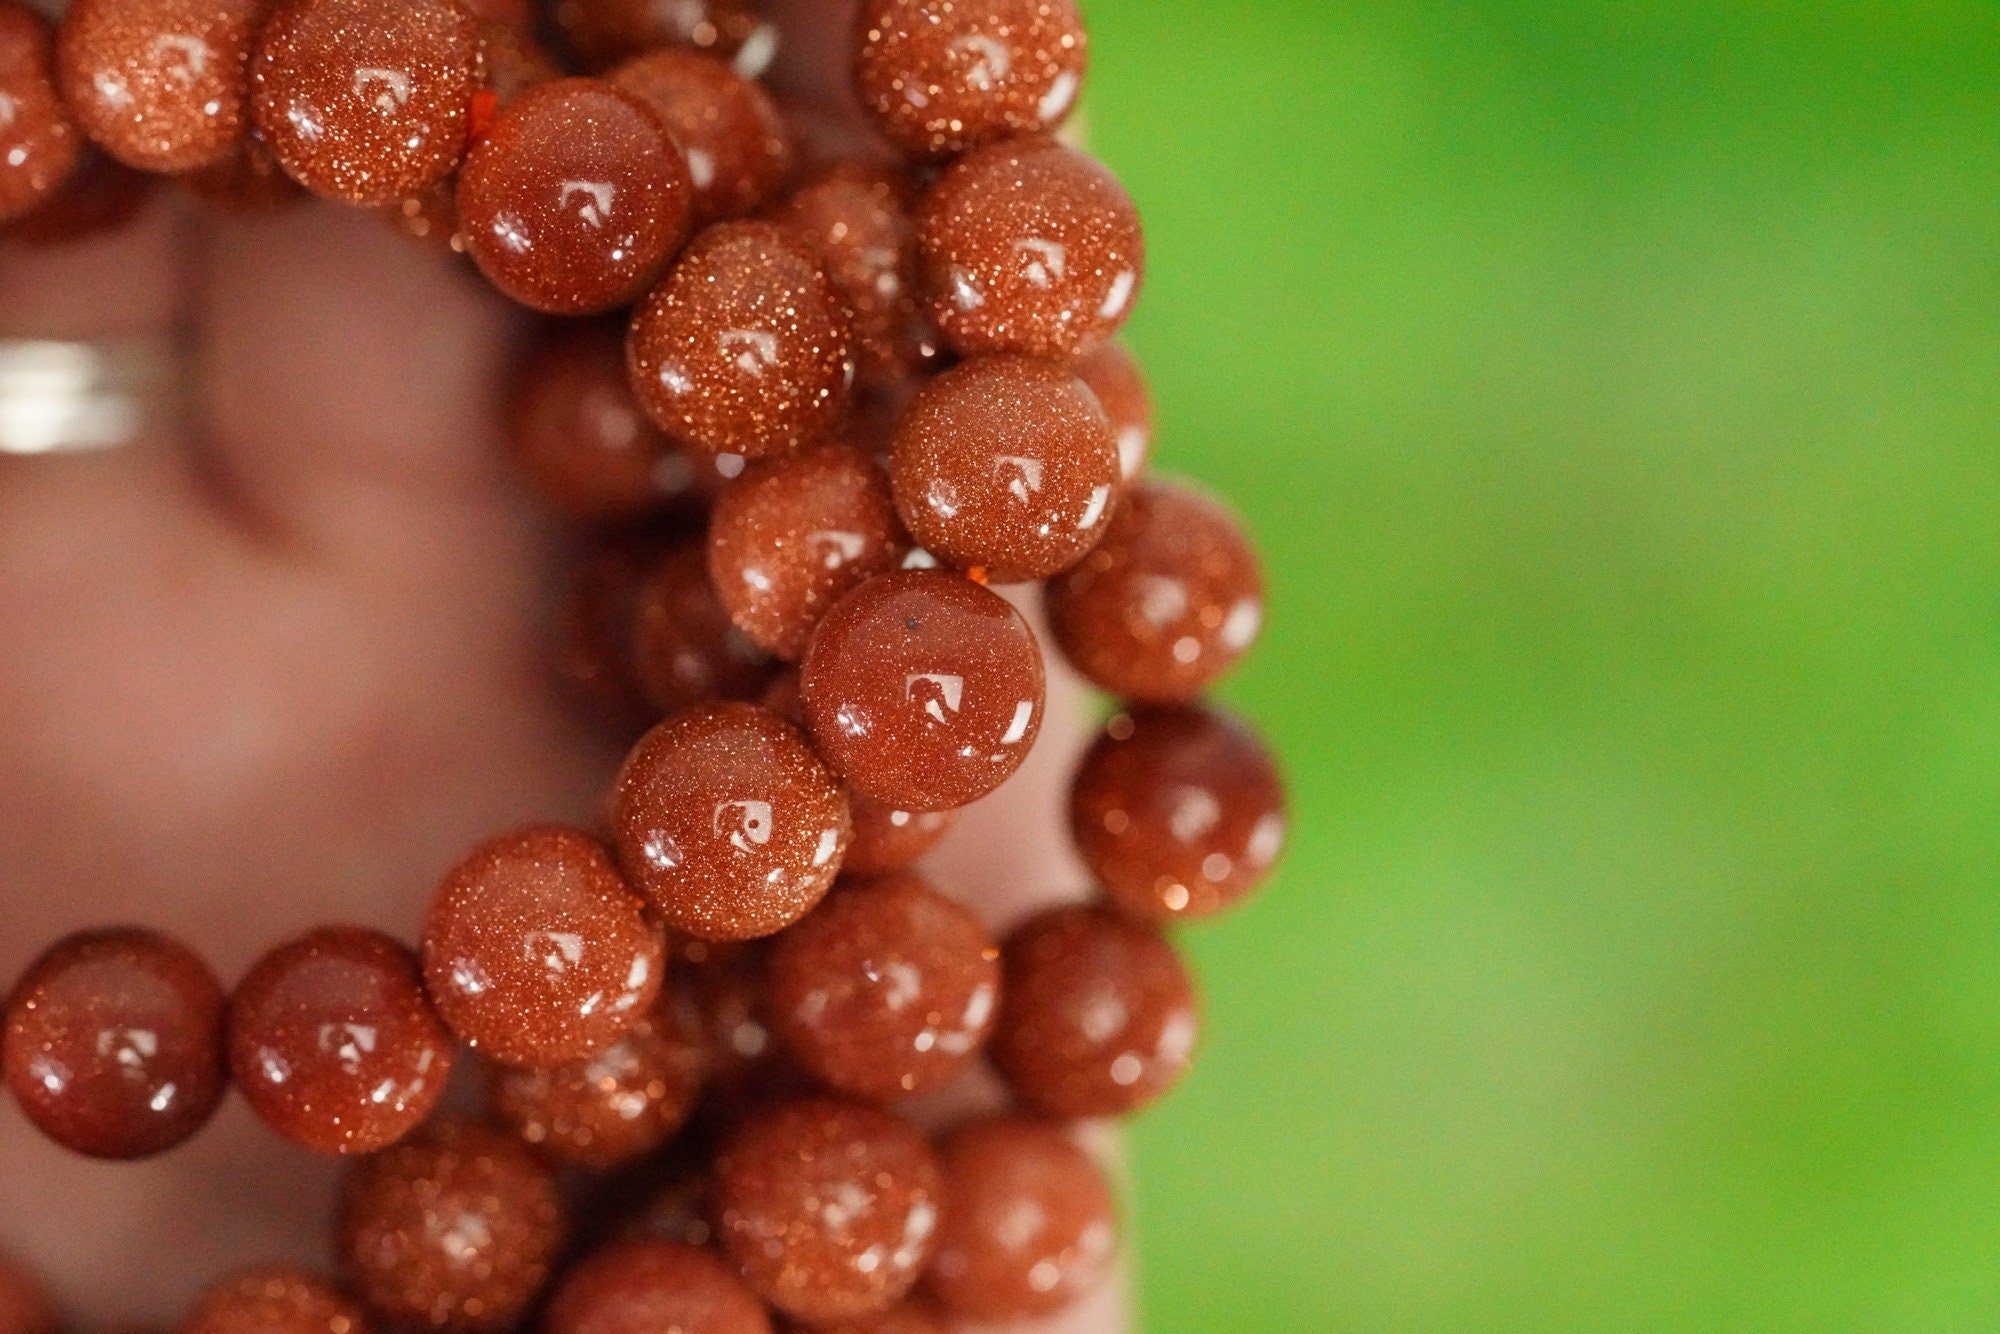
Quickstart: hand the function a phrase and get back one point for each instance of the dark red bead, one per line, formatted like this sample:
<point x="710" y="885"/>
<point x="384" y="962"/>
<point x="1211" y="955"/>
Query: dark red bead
<point x="604" y="32"/>
<point x="887" y="838"/>
<point x="248" y="181"/>
<point x="737" y="146"/>
<point x="611" y="1108"/>
<point x="654" y="1287"/>
<point x="39" y="144"/>
<point x="857" y="220"/>
<point x="274" y="1301"/>
<point x="100" y="196"/>
<point x="684" y="648"/>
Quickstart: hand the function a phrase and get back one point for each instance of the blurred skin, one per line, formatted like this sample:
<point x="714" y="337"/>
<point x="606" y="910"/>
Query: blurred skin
<point x="287" y="670"/>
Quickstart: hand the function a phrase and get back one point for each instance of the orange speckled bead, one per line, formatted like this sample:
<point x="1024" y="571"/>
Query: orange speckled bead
<point x="334" y="1043"/>
<point x="535" y="950"/>
<point x="685" y="649"/>
<point x="1029" y="1223"/>
<point x="725" y="819"/>
<point x="113" y="1045"/>
<point x="604" y="32"/>
<point x="1114" y="376"/>
<point x="1178" y="812"/>
<point x="887" y="838"/>
<point x="1006" y="464"/>
<point x="366" y="100"/>
<point x="1097" y="1015"/>
<point x="39" y="144"/>
<point x="745" y="348"/>
<point x="1169" y="601"/>
<point x="737" y="146"/>
<point x="888" y="989"/>
<point x="828" y="1207"/>
<point x="942" y="76"/>
<point x="654" y="1287"/>
<point x="1028" y="246"/>
<point x="792" y="536"/>
<point x="455" y="1228"/>
<point x="923" y="690"/>
<point x="610" y="1108"/>
<point x="159" y="84"/>
<point x="274" y="1301"/>
<point x="913" y="1316"/>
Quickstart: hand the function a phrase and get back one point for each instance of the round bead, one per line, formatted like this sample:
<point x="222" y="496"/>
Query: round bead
<point x="1169" y="601"/>
<point x="274" y="1301"/>
<point x="366" y="100"/>
<point x="888" y="989"/>
<point x="887" y="838"/>
<point x="727" y="822"/>
<point x="1178" y="812"/>
<point x="159" y="84"/>
<point x="1006" y="464"/>
<point x="720" y="997"/>
<point x="684" y="647"/>
<point x="1029" y="1222"/>
<point x="455" y="1228"/>
<point x="574" y="199"/>
<point x="792" y="536"/>
<point x="737" y="146"/>
<point x="334" y="1044"/>
<point x="744" y="349"/>
<point x="1097" y="1014"/>
<point x="828" y="1207"/>
<point x="604" y="32"/>
<point x="923" y="690"/>
<point x="609" y="1108"/>
<point x="114" y="1043"/>
<point x="654" y="1287"/>
<point x="593" y="638"/>
<point x="856" y="219"/>
<point x="1028" y="246"/>
<point x="915" y="1316"/>
<point x="39" y="145"/>
<point x="535" y="950"/>
<point x="942" y="78"/>
<point x="1114" y="376"/>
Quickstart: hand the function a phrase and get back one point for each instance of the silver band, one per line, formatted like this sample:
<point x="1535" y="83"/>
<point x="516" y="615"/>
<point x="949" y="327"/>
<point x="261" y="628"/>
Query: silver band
<point x="68" y="397"/>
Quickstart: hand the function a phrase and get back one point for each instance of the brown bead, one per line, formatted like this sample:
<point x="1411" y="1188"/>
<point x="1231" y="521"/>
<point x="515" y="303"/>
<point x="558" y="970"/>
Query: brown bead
<point x="455" y="1228"/>
<point x="1113" y="374"/>
<point x="914" y="1316"/>
<point x="1006" y="464"/>
<point x="792" y="536"/>
<point x="1169" y="601"/>
<point x="1028" y="246"/>
<point x="1029" y="1222"/>
<point x="515" y="61"/>
<point x="247" y="181"/>
<point x="1178" y="812"/>
<point x="604" y="32"/>
<point x="1097" y="1014"/>
<point x="745" y="348"/>
<point x="100" y="196"/>
<point x="575" y="199"/>
<point x="593" y="637"/>
<point x="684" y="647"/>
<point x="24" y="1306"/>
<point x="737" y="146"/>
<point x="856" y="219"/>
<point x="39" y="145"/>
<point x="610" y="1108"/>
<point x="366" y="100"/>
<point x="923" y="690"/>
<point x="161" y="85"/>
<point x="274" y="1301"/>
<point x="887" y="838"/>
<point x="535" y="950"/>
<point x="114" y="1042"/>
<point x="830" y="1208"/>
<point x="726" y="821"/>
<point x="942" y="78"/>
<point x="654" y="1287"/>
<point x="334" y="1043"/>
<point x="888" y="989"/>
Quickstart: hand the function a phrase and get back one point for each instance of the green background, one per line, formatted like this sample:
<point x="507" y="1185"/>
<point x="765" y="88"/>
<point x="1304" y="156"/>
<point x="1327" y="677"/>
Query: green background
<point x="1613" y="390"/>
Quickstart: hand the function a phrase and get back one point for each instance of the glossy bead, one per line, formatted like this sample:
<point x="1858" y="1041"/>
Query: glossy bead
<point x="114" y="1043"/>
<point x="1113" y="374"/>
<point x="99" y="196"/>
<point x="161" y="85"/>
<point x="366" y="100"/>
<point x="39" y="144"/>
<point x="610" y="1108"/>
<point x="575" y="199"/>
<point x="913" y="1316"/>
<point x="684" y="648"/>
<point x="274" y="1301"/>
<point x="923" y="690"/>
<point x="1169" y="601"/>
<point x="940" y="78"/>
<point x="1178" y="812"/>
<point x="727" y="822"/>
<point x="654" y="1287"/>
<point x="1097" y="1014"/>
<point x="1006" y="464"/>
<point x="856" y="219"/>
<point x="792" y="536"/>
<point x="830" y="1208"/>
<point x="737" y="146"/>
<point x="1029" y="1222"/>
<point x="604" y="32"/>
<point x="888" y="989"/>
<point x="745" y="348"/>
<point x="535" y="950"/>
<point x="1028" y="246"/>
<point x="455" y="1228"/>
<point x="248" y="181"/>
<point x="719" y="993"/>
<point x="887" y="838"/>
